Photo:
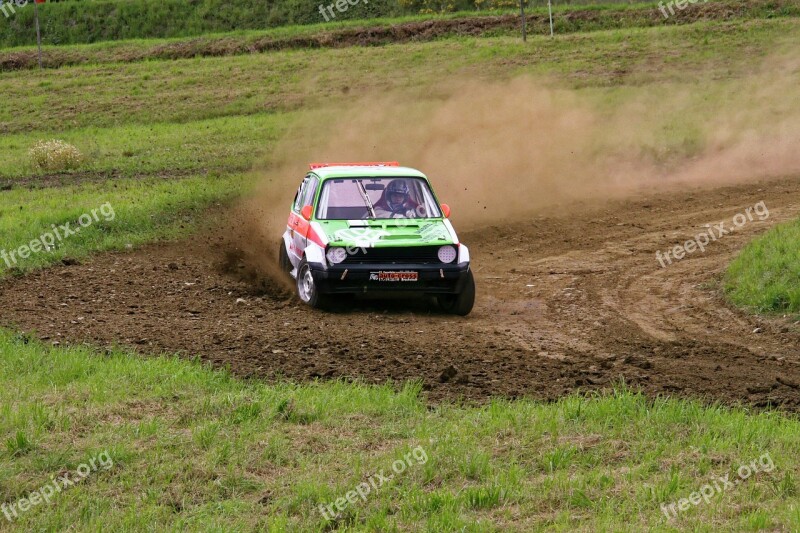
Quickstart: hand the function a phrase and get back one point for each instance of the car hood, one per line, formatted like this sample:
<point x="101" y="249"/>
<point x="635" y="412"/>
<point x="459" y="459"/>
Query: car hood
<point x="388" y="233"/>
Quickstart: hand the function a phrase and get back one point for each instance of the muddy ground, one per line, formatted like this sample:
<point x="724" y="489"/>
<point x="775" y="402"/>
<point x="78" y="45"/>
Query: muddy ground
<point x="566" y="301"/>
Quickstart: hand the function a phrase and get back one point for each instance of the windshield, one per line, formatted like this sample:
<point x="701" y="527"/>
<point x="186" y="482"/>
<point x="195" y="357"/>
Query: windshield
<point x="376" y="198"/>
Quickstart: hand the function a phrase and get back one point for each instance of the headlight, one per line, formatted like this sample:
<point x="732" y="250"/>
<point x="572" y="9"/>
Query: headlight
<point x="336" y="255"/>
<point x="447" y="254"/>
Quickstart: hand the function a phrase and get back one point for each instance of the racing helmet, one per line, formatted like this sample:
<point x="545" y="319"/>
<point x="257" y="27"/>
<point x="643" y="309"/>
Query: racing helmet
<point x="397" y="195"/>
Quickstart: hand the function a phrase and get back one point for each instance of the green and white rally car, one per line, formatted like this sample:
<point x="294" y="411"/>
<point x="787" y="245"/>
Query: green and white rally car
<point x="374" y="228"/>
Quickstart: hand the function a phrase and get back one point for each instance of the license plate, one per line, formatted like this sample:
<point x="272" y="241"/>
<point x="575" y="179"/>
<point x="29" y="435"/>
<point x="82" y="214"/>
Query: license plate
<point x="394" y="276"/>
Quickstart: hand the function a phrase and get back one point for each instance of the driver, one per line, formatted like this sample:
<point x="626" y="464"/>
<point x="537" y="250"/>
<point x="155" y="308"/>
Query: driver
<point x="396" y="201"/>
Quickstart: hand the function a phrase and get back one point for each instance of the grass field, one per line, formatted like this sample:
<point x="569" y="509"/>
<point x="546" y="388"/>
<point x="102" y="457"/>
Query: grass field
<point x="140" y="211"/>
<point x="568" y="19"/>
<point x="182" y="91"/>
<point x="222" y="145"/>
<point x="73" y="22"/>
<point x="197" y="449"/>
<point x="765" y="277"/>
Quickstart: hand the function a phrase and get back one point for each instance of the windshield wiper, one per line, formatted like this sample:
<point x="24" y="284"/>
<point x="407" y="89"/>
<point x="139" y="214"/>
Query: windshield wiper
<point x="367" y="201"/>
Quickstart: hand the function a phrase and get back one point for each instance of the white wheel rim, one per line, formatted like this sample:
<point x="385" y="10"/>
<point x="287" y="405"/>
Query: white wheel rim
<point x="306" y="285"/>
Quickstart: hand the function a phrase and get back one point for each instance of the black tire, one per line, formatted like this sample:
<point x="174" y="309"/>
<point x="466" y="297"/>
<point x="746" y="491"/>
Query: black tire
<point x="307" y="289"/>
<point x="283" y="259"/>
<point x="461" y="303"/>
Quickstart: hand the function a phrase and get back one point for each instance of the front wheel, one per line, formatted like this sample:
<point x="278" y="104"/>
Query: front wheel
<point x="307" y="288"/>
<point x="461" y="303"/>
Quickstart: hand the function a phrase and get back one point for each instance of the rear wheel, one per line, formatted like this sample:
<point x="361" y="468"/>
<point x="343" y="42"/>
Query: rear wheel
<point x="307" y="288"/>
<point x="461" y="303"/>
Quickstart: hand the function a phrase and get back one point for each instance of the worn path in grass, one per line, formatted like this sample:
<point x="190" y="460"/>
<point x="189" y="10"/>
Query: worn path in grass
<point x="567" y="301"/>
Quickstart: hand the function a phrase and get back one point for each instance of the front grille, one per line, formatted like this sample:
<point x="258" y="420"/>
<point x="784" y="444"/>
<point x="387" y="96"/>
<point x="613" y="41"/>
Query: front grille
<point x="410" y="254"/>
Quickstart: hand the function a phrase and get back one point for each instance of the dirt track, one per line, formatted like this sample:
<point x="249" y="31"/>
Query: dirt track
<point x="565" y="302"/>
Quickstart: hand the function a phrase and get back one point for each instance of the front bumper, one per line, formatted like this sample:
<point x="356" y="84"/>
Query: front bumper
<point x="356" y="278"/>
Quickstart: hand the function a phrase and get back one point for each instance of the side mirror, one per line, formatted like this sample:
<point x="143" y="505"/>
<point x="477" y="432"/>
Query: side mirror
<point x="446" y="210"/>
<point x="306" y="212"/>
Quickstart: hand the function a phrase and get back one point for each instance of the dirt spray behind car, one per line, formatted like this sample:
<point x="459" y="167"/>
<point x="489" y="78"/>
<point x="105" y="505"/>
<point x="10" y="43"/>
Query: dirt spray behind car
<point x="245" y="244"/>
<point x="508" y="150"/>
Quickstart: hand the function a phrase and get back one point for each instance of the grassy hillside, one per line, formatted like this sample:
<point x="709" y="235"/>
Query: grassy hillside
<point x="382" y="31"/>
<point x="187" y="448"/>
<point x="73" y="22"/>
<point x="187" y="90"/>
<point x="97" y="20"/>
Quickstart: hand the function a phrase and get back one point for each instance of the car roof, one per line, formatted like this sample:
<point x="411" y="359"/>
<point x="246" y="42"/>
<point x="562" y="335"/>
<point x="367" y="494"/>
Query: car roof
<point x="376" y="171"/>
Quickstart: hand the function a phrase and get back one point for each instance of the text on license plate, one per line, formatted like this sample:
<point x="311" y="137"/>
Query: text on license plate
<point x="394" y="276"/>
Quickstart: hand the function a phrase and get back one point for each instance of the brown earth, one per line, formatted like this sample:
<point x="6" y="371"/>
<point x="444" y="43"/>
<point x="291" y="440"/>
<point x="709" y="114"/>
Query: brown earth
<point x="566" y="302"/>
<point x="573" y="20"/>
<point x="66" y="179"/>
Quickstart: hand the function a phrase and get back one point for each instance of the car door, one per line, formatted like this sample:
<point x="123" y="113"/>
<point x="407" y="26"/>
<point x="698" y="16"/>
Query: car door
<point x="299" y="225"/>
<point x="292" y="225"/>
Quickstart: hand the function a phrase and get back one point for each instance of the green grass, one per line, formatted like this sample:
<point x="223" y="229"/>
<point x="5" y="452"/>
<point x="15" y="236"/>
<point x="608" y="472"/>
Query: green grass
<point x="222" y="145"/>
<point x="132" y="46"/>
<point x="82" y="22"/>
<point x="765" y="277"/>
<point x="196" y="449"/>
<point x="73" y="22"/>
<point x="568" y="19"/>
<point x="140" y="211"/>
<point x="190" y="90"/>
<point x="66" y="24"/>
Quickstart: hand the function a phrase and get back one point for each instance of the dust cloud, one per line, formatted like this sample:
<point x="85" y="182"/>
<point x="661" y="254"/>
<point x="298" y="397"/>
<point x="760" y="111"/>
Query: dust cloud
<point x="507" y="150"/>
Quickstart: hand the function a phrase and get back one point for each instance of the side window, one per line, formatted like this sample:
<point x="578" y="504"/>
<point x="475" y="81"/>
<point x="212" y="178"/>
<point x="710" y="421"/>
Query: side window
<point x="298" y="198"/>
<point x="311" y="190"/>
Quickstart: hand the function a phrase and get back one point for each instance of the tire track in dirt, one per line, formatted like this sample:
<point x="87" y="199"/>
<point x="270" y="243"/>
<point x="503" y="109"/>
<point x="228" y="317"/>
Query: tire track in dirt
<point x="565" y="302"/>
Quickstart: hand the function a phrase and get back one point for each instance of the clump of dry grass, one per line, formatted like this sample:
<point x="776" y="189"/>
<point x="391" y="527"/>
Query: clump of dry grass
<point x="55" y="155"/>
